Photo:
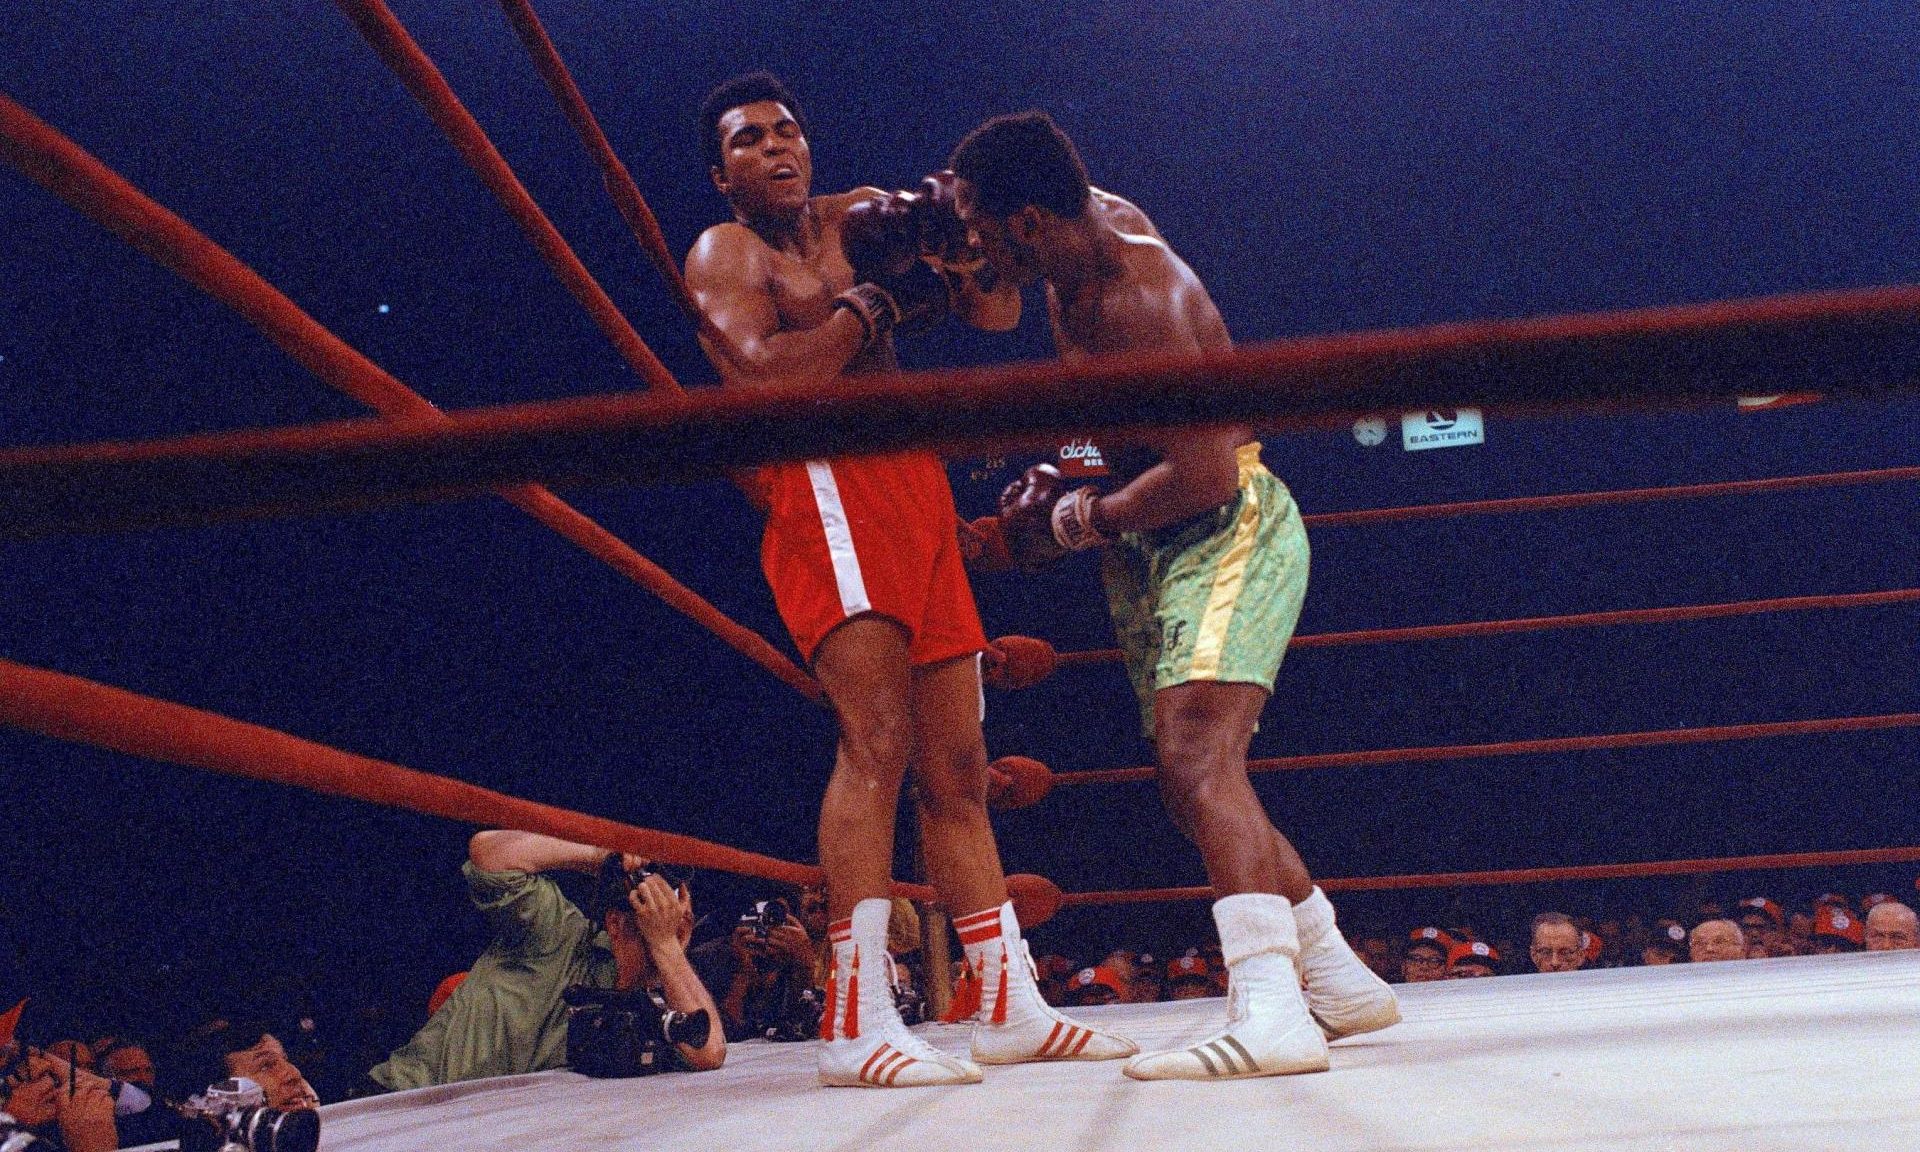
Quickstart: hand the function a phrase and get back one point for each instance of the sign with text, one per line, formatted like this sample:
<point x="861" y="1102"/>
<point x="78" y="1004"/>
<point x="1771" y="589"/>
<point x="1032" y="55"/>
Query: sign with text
<point x="1441" y="428"/>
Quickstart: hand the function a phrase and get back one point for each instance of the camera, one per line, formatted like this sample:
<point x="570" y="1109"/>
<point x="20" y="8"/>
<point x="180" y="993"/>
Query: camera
<point x="232" y="1116"/>
<point x="765" y="916"/>
<point x="14" y="1138"/>
<point x="613" y="1034"/>
<point x="799" y="1017"/>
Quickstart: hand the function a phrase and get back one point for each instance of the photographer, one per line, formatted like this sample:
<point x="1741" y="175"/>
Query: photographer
<point x="509" y="1016"/>
<point x="68" y="1107"/>
<point x="764" y="970"/>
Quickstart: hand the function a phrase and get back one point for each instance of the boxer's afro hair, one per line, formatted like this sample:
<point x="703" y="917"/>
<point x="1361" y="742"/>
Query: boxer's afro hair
<point x="1014" y="161"/>
<point x="738" y="92"/>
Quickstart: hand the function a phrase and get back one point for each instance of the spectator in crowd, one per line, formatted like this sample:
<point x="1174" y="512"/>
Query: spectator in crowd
<point x="508" y="1017"/>
<point x="240" y="1046"/>
<point x="1716" y="940"/>
<point x="1425" y="956"/>
<point x="1471" y="959"/>
<point x="121" y="1059"/>
<point x="1892" y="927"/>
<point x="1189" y="979"/>
<point x="1122" y="963"/>
<point x="1666" y="945"/>
<point x="1093" y="986"/>
<point x="1147" y="986"/>
<point x="1836" y="929"/>
<point x="1764" y="924"/>
<point x="1054" y="971"/>
<point x="762" y="973"/>
<point x="59" y="1101"/>
<point x="1558" y="944"/>
<point x="1377" y="953"/>
<point x="1800" y="932"/>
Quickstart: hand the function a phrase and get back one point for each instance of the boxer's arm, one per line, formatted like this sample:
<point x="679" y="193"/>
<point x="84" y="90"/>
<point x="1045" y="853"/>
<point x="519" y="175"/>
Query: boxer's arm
<point x="1198" y="472"/>
<point x="505" y="850"/>
<point x="1198" y="469"/>
<point x="729" y="283"/>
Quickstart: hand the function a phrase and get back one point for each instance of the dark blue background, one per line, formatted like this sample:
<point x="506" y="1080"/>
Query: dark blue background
<point x="1321" y="168"/>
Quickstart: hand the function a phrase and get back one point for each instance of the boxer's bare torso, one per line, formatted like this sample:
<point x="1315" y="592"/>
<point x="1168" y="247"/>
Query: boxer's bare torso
<point x="1139" y="296"/>
<point x="754" y="290"/>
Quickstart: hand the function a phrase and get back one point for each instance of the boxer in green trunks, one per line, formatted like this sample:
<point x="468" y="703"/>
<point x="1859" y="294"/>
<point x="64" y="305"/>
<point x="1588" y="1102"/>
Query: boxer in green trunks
<point x="1205" y="568"/>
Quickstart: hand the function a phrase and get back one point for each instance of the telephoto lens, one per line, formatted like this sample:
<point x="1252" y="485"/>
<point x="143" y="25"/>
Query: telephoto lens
<point x="233" y="1114"/>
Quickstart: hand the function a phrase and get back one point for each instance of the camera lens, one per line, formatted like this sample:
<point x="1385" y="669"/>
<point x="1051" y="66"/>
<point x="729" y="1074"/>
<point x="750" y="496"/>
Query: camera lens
<point x="270" y="1130"/>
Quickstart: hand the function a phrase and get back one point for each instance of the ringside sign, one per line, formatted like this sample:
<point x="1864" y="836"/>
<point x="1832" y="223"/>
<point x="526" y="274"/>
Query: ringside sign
<point x="1441" y="428"/>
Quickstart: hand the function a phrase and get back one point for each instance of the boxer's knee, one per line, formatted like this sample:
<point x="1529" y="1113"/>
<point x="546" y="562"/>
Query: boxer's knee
<point x="875" y="747"/>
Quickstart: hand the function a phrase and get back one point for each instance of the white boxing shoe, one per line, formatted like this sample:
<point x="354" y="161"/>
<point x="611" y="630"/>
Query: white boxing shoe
<point x="1016" y="1026"/>
<point x="1269" y="1031"/>
<point x="1345" y="996"/>
<point x="863" y="1041"/>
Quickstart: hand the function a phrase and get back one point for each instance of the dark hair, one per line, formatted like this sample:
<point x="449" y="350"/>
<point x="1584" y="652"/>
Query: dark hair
<point x="751" y="88"/>
<point x="1014" y="161"/>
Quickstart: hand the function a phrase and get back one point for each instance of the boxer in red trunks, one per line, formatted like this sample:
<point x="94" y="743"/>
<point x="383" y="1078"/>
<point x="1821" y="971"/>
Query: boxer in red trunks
<point x="864" y="564"/>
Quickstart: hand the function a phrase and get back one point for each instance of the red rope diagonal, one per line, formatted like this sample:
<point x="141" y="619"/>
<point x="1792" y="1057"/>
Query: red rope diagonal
<point x="1531" y="747"/>
<point x="1549" y="623"/>
<point x="1636" y="871"/>
<point x="398" y="50"/>
<point x="1597" y="499"/>
<point x="626" y="195"/>
<point x="70" y="172"/>
<point x="84" y="711"/>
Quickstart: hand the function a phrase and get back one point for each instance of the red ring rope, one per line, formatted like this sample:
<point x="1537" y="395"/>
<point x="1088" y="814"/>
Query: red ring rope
<point x="72" y="708"/>
<point x="1633" y="871"/>
<point x="1598" y="499"/>
<point x="70" y="172"/>
<point x="1549" y="623"/>
<point x="632" y="206"/>
<point x="416" y="71"/>
<point x="1379" y="756"/>
<point x="1613" y="359"/>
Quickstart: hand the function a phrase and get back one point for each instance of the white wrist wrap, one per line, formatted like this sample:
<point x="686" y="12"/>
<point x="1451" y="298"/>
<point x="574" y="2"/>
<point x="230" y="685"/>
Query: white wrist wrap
<point x="1073" y="521"/>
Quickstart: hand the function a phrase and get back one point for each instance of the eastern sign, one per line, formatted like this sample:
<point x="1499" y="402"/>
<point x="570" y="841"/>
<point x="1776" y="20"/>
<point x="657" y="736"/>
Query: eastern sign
<point x="1441" y="428"/>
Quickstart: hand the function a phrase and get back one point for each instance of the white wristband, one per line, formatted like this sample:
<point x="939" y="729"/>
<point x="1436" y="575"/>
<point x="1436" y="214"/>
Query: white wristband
<point x="1073" y="521"/>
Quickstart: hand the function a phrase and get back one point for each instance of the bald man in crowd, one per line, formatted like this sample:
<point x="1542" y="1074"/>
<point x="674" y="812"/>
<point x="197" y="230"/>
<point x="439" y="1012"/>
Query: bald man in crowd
<point x="1892" y="927"/>
<point x="1558" y="944"/>
<point x="1716" y="940"/>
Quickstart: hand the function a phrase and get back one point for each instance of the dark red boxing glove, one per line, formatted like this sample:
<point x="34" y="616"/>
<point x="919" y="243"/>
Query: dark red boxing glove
<point x="894" y="287"/>
<point x="1042" y="520"/>
<point x="1026" y="517"/>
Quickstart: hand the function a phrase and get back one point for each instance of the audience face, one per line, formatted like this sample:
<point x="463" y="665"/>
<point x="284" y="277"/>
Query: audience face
<point x="1892" y="927"/>
<point x="266" y="1064"/>
<point x="1470" y="969"/>
<point x="1800" y="932"/>
<point x="1658" y="954"/>
<point x="1423" y="962"/>
<point x="1717" y="940"/>
<point x="1557" y="948"/>
<point x="1191" y="989"/>
<point x="131" y="1063"/>
<point x="1377" y="953"/>
<point x="1764" y="937"/>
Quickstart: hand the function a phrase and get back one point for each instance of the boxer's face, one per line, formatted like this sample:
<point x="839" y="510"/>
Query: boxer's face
<point x="1008" y="243"/>
<point x="766" y="167"/>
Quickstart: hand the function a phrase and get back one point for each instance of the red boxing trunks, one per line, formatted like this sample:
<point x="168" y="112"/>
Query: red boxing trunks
<point x="869" y="534"/>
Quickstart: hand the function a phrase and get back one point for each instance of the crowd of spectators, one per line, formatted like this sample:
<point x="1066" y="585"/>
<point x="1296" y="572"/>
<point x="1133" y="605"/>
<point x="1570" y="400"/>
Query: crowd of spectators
<point x="759" y="972"/>
<point x="1752" y="928"/>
